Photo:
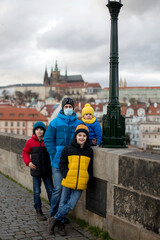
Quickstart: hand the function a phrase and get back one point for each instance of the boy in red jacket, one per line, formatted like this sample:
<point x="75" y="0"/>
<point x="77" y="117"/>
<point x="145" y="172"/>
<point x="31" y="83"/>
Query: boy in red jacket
<point x="37" y="159"/>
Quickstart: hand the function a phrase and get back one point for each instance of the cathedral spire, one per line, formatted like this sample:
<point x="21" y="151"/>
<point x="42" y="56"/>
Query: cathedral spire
<point x="56" y="67"/>
<point x="45" y="79"/>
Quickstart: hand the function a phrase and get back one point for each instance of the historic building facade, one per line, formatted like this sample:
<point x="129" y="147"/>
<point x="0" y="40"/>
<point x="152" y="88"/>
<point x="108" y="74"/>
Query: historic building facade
<point x="56" y="78"/>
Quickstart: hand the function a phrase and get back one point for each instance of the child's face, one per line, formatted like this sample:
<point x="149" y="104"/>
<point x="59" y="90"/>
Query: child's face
<point x="81" y="138"/>
<point x="39" y="132"/>
<point x="87" y="116"/>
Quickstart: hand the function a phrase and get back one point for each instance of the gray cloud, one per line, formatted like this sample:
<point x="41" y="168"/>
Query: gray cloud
<point x="77" y="33"/>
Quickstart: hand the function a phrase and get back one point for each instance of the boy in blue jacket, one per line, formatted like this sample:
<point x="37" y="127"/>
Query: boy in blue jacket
<point x="95" y="131"/>
<point x="58" y="135"/>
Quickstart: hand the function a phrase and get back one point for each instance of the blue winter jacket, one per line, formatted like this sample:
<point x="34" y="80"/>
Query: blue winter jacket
<point x="95" y="131"/>
<point x="59" y="134"/>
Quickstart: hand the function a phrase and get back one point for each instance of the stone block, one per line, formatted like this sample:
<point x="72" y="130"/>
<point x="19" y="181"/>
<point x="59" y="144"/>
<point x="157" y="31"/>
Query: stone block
<point x="106" y="164"/>
<point x="98" y="221"/>
<point x="18" y="143"/>
<point x="137" y="208"/>
<point x="148" y="235"/>
<point x="140" y="173"/>
<point x="110" y="200"/>
<point x="5" y="142"/>
<point x="120" y="229"/>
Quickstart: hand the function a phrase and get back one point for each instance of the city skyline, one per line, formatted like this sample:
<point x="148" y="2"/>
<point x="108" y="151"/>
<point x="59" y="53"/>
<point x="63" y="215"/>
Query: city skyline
<point x="34" y="34"/>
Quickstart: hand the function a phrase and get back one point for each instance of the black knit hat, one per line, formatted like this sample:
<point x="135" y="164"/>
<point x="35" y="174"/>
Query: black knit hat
<point x="68" y="101"/>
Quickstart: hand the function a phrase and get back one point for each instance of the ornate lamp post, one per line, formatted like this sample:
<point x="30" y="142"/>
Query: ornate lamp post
<point x="113" y="121"/>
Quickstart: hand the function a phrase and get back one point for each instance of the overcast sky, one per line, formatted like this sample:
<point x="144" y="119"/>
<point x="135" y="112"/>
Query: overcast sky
<point x="76" y="33"/>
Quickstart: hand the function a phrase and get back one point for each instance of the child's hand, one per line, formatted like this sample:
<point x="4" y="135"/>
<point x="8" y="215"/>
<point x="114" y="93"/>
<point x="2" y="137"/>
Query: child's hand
<point x="31" y="165"/>
<point x="94" y="141"/>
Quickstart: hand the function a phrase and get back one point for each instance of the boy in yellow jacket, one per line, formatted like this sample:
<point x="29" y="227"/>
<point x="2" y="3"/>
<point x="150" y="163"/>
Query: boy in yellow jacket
<point x="76" y="164"/>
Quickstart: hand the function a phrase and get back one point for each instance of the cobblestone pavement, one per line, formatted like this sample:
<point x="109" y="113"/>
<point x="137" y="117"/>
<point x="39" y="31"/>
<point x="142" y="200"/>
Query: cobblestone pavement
<point x="18" y="218"/>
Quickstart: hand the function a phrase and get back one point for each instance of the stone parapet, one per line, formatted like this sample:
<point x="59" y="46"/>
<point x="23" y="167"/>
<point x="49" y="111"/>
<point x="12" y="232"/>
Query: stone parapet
<point x="124" y="198"/>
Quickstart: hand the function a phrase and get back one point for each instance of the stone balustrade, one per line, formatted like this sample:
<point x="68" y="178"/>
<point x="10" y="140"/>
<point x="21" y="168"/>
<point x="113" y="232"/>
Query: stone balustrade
<point x="123" y="198"/>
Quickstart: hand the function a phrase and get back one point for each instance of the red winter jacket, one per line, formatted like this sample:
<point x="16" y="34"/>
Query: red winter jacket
<point x="35" y="152"/>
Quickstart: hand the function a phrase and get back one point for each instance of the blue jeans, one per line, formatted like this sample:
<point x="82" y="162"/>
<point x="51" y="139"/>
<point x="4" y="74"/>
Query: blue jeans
<point x="69" y="199"/>
<point x="57" y="189"/>
<point x="37" y="190"/>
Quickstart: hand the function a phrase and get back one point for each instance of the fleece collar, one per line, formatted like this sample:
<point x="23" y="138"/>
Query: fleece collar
<point x="89" y="121"/>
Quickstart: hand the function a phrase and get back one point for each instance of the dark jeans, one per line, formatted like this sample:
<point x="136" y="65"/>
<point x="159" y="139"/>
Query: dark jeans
<point x="57" y="189"/>
<point x="37" y="190"/>
<point x="69" y="199"/>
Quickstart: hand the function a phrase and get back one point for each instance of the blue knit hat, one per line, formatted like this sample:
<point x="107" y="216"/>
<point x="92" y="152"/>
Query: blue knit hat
<point x="39" y="125"/>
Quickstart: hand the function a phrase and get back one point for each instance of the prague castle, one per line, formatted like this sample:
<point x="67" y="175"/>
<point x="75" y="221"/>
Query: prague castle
<point x="57" y="78"/>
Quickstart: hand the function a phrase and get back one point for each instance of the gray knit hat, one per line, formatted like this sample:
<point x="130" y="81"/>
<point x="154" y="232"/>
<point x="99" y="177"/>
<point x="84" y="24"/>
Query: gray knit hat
<point x="68" y="101"/>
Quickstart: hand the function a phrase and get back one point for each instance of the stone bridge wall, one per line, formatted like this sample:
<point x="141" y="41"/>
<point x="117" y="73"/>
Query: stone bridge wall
<point x="124" y="198"/>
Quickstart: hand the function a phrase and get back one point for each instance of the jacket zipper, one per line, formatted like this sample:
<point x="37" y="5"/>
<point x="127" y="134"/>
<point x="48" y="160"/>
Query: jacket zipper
<point x="78" y="172"/>
<point x="41" y="156"/>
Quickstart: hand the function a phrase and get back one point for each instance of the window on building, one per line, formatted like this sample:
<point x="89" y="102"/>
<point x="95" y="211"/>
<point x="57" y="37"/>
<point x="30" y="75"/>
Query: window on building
<point x="24" y="124"/>
<point x="23" y="132"/>
<point x="6" y="131"/>
<point x="11" y="124"/>
<point x="11" y="114"/>
<point x="36" y="115"/>
<point x="155" y="136"/>
<point x="18" y="124"/>
<point x="18" y="131"/>
<point x="6" y="124"/>
<point x="11" y="131"/>
<point x="21" y="115"/>
<point x="1" y="114"/>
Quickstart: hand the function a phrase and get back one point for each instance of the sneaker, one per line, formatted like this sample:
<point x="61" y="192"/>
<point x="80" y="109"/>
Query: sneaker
<point x="61" y="229"/>
<point x="40" y="215"/>
<point x="52" y="222"/>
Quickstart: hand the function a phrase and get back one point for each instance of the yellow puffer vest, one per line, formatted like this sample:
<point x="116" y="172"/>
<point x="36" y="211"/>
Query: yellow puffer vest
<point x="77" y="176"/>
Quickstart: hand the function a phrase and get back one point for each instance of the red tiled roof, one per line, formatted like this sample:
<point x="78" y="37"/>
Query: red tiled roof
<point x="107" y="88"/>
<point x="77" y="85"/>
<point x="71" y="85"/>
<point x="78" y="107"/>
<point x="94" y="85"/>
<point x="21" y="114"/>
<point x="151" y="110"/>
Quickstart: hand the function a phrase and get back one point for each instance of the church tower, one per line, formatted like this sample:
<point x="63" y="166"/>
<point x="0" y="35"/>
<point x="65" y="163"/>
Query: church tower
<point x="46" y="82"/>
<point x="55" y="74"/>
